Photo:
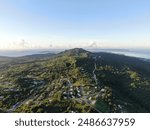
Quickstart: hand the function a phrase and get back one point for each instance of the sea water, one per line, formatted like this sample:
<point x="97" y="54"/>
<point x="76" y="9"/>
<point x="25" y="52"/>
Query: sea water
<point x="141" y="53"/>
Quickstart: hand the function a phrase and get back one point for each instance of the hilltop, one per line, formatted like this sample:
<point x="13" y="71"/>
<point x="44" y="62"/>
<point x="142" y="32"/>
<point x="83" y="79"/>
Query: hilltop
<point x="74" y="52"/>
<point x="75" y="80"/>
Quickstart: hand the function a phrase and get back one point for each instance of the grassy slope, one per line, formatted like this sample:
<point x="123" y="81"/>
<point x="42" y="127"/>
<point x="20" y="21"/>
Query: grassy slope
<point x="123" y="84"/>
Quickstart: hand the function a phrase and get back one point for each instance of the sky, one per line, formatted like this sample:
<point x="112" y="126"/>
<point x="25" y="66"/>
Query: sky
<point x="36" y="24"/>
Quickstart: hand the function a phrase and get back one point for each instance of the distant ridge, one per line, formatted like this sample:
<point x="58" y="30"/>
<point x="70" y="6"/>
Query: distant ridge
<point x="5" y="58"/>
<point x="75" y="51"/>
<point x="39" y="55"/>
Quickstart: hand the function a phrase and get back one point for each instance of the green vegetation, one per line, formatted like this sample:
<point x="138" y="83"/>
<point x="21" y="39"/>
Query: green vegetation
<point x="74" y="81"/>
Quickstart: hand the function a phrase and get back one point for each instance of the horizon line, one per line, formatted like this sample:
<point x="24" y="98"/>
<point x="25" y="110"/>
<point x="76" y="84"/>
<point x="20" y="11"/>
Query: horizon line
<point x="64" y="48"/>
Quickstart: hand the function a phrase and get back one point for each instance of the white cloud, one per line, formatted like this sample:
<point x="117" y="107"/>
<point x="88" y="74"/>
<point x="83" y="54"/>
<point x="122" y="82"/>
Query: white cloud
<point x="27" y="43"/>
<point x="93" y="44"/>
<point x="21" y="44"/>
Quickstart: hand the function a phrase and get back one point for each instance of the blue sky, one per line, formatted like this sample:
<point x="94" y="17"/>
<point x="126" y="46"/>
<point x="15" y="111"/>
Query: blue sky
<point x="29" y="24"/>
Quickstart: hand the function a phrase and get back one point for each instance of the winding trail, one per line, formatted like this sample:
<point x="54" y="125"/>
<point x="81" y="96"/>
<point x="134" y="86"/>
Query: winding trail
<point x="94" y="75"/>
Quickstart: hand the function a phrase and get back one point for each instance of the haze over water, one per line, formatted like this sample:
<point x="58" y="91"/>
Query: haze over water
<point x="141" y="53"/>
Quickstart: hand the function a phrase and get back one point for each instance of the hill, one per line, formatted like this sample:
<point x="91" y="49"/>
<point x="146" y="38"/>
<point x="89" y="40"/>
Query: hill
<point x="9" y="61"/>
<point x="75" y="80"/>
<point x="74" y="52"/>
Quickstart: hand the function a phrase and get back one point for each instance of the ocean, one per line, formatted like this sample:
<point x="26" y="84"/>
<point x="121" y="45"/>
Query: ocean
<point x="141" y="53"/>
<point x="135" y="53"/>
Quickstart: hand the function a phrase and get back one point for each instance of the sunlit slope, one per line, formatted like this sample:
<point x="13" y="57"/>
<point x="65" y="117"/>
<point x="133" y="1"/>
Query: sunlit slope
<point x="76" y="81"/>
